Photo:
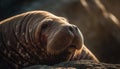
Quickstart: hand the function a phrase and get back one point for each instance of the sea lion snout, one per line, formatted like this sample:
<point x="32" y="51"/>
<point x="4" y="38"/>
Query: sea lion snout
<point x="77" y="40"/>
<point x="68" y="37"/>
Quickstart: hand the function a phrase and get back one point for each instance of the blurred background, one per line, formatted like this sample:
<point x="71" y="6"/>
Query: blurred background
<point x="98" y="20"/>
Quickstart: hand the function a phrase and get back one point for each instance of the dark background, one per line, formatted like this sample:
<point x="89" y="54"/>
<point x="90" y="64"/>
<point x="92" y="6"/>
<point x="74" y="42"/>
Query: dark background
<point x="98" y="20"/>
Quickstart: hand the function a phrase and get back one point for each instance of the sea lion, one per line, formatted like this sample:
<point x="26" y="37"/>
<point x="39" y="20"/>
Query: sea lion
<point x="39" y="37"/>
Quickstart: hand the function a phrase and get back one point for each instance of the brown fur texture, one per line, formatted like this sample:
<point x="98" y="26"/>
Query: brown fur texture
<point x="39" y="37"/>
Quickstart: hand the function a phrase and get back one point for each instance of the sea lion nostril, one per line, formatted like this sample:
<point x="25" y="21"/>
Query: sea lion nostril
<point x="70" y="28"/>
<point x="75" y="27"/>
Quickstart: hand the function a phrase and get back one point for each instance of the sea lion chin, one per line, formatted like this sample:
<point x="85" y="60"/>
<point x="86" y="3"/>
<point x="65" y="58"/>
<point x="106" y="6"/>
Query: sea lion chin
<point x="39" y="37"/>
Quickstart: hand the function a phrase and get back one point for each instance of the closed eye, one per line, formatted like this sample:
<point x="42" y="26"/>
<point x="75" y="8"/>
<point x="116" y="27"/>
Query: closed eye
<point x="46" y="24"/>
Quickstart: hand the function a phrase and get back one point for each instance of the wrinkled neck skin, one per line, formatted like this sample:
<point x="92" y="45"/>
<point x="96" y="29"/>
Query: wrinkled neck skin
<point x="18" y="41"/>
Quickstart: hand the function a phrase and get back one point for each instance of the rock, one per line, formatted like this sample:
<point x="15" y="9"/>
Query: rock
<point x="80" y="64"/>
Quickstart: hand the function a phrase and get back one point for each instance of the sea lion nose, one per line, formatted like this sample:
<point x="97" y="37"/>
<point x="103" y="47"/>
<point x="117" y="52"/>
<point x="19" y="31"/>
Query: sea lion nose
<point x="78" y="38"/>
<point x="70" y="28"/>
<point x="73" y="28"/>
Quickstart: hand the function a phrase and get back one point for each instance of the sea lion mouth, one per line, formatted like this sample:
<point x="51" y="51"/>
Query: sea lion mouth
<point x="65" y="55"/>
<point x="68" y="52"/>
<point x="72" y="48"/>
<point x="51" y="59"/>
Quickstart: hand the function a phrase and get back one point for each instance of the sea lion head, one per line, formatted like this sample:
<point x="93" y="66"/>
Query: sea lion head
<point x="59" y="38"/>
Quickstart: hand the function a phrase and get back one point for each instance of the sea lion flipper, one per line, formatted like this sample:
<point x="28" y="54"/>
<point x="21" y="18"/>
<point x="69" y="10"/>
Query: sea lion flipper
<point x="90" y="54"/>
<point x="85" y="53"/>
